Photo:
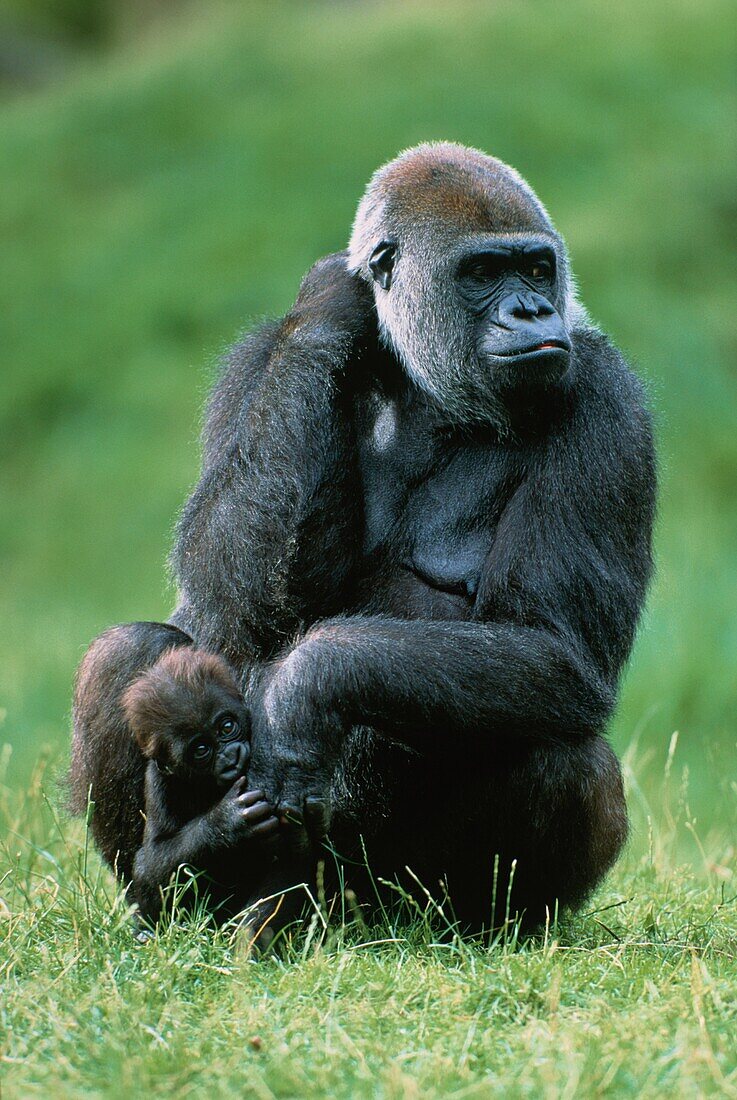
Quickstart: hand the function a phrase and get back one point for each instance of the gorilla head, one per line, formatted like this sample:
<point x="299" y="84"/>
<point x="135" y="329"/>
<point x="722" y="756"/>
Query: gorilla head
<point x="186" y="714"/>
<point x="470" y="278"/>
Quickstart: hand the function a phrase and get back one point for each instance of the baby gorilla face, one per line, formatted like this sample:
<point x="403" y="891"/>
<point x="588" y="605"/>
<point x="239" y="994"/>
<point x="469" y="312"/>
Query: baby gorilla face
<point x="218" y="745"/>
<point x="187" y="714"/>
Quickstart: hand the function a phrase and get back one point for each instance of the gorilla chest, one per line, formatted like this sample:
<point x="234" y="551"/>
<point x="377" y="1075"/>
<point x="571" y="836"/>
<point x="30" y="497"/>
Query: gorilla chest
<point x="431" y="508"/>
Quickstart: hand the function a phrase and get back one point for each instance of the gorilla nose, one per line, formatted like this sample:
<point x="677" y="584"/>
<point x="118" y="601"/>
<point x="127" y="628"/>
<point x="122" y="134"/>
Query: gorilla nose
<point x="231" y="753"/>
<point x="524" y="307"/>
<point x="234" y="758"/>
<point x="529" y="322"/>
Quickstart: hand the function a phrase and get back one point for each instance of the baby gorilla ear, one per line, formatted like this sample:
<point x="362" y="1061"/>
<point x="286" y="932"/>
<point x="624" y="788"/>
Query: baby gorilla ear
<point x="381" y="263"/>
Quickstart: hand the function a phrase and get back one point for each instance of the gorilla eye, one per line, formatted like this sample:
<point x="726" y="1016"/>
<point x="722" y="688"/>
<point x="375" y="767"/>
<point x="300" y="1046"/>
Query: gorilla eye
<point x="479" y="271"/>
<point x="228" y="727"/>
<point x="541" y="269"/>
<point x="484" y="267"/>
<point x="201" y="751"/>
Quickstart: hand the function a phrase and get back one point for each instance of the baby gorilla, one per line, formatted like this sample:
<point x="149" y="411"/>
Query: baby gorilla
<point x="188" y="718"/>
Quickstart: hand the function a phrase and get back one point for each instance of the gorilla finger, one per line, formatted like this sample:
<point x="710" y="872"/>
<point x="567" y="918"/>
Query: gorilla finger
<point x="317" y="815"/>
<point x="289" y="814"/>
<point x="266" y="828"/>
<point x="257" y="811"/>
<point x="250" y="798"/>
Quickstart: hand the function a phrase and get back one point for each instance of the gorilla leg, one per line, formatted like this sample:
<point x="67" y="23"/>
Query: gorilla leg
<point x="558" y="821"/>
<point x="106" y="764"/>
<point x="522" y="830"/>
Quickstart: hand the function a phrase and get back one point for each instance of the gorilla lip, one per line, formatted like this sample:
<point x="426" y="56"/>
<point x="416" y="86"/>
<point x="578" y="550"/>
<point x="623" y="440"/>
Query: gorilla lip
<point x="548" y="352"/>
<point x="548" y="345"/>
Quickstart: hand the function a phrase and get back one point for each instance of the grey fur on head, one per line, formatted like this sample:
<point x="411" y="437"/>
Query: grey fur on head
<point x="432" y="201"/>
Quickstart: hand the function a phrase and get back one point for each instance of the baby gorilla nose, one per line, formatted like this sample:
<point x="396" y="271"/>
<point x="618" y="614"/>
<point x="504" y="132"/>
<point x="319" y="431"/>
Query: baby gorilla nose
<point x="232" y="761"/>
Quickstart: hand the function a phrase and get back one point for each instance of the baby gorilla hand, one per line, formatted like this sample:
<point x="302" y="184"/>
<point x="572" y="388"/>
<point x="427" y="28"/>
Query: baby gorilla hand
<point x="243" y="815"/>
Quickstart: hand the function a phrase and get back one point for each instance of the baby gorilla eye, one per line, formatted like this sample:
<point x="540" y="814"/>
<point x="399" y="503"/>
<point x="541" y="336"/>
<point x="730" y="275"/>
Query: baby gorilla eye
<point x="228" y="728"/>
<point x="201" y="751"/>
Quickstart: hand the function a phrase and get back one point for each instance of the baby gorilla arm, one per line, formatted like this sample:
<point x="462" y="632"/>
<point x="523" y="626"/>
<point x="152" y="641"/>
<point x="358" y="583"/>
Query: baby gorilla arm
<point x="206" y="843"/>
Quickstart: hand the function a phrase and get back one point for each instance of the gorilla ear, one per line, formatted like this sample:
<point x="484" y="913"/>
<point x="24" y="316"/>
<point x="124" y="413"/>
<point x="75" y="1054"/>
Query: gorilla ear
<point x="381" y="263"/>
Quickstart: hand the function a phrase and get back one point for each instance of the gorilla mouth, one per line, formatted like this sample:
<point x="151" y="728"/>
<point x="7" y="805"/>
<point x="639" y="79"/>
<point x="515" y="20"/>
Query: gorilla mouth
<point x="535" y="349"/>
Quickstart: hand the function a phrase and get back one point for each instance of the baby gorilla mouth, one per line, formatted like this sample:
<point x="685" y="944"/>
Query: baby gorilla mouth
<point x="232" y="759"/>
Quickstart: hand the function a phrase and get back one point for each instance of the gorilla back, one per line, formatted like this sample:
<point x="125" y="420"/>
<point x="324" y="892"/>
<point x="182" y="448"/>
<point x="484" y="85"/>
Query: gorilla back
<point x="437" y="476"/>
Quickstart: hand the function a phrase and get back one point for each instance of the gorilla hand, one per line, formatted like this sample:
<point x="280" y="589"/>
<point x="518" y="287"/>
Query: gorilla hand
<point x="295" y="749"/>
<point x="331" y="296"/>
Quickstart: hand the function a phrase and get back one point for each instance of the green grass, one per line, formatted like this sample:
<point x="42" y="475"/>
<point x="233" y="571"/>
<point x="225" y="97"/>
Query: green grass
<point x="633" y="997"/>
<point x="152" y="205"/>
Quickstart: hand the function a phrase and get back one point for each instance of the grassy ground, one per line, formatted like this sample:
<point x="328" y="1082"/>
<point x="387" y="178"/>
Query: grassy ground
<point x="149" y="207"/>
<point x="633" y="997"/>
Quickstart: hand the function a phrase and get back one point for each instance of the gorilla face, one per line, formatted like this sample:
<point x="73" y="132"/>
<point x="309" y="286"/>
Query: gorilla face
<point x="477" y="322"/>
<point x="213" y="748"/>
<point x="511" y="290"/>
<point x="470" y="278"/>
<point x="188" y="716"/>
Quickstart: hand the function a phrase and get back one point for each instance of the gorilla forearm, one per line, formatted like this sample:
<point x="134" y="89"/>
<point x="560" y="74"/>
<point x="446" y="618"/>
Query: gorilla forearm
<point x="264" y="542"/>
<point x="194" y="844"/>
<point x="462" y="678"/>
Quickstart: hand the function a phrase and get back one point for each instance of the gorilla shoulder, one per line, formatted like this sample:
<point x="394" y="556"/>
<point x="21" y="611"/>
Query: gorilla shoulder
<point x="605" y="378"/>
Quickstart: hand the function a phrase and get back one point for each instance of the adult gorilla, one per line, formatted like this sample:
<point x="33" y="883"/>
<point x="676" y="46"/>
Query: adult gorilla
<point x="450" y="511"/>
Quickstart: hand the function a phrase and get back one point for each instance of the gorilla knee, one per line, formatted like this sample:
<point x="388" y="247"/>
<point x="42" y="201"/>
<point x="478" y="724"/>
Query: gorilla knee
<point x="606" y="809"/>
<point x="111" y="662"/>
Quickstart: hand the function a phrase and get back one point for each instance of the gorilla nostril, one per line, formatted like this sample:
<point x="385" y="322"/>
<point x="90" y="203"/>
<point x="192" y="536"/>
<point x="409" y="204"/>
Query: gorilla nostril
<point x="524" y="308"/>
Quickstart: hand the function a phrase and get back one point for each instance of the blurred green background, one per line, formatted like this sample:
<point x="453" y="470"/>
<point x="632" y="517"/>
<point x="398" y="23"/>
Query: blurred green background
<point x="168" y="172"/>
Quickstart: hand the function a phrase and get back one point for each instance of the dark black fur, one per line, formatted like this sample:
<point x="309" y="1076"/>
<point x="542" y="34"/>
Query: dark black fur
<point x="464" y="597"/>
<point x="221" y="841"/>
<point x="188" y="718"/>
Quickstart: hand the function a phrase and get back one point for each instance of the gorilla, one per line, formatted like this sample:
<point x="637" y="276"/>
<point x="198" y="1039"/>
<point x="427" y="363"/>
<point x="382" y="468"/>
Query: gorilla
<point x="187" y="717"/>
<point x="422" y="537"/>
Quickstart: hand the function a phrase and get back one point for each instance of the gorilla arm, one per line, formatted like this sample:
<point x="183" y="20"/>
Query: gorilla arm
<point x="271" y="505"/>
<point x="224" y="838"/>
<point x="274" y="502"/>
<point x="556" y="611"/>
